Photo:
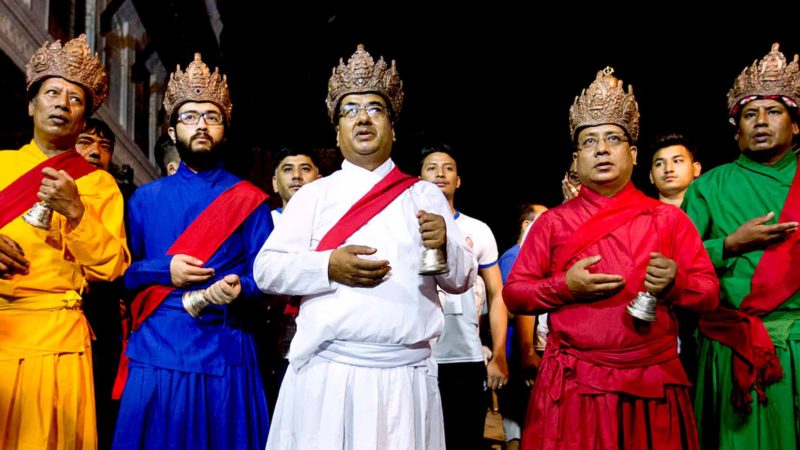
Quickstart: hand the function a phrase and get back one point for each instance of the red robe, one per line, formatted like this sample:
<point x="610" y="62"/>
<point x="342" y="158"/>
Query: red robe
<point x="608" y="380"/>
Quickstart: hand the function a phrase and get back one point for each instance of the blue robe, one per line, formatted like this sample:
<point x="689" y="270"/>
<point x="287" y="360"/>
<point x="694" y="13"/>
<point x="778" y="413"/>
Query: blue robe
<point x="193" y="383"/>
<point x="506" y="262"/>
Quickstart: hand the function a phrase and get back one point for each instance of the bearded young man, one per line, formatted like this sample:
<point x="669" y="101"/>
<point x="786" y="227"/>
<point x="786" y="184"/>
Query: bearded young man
<point x="192" y="376"/>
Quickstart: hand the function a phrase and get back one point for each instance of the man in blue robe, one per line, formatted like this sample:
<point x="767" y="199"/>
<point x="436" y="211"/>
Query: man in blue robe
<point x="193" y="379"/>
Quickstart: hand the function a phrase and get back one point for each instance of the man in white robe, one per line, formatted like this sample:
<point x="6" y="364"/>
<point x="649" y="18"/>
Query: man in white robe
<point x="361" y="376"/>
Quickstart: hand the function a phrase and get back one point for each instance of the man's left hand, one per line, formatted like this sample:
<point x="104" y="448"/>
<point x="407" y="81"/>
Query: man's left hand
<point x="497" y="372"/>
<point x="225" y="290"/>
<point x="433" y="229"/>
<point x="660" y="274"/>
<point x="59" y="190"/>
<point x="529" y="365"/>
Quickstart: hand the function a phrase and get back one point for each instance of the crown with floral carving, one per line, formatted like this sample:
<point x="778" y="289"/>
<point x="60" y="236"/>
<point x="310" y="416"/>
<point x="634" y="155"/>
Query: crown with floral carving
<point x="197" y="84"/>
<point x="363" y="75"/>
<point x="605" y="102"/>
<point x="771" y="77"/>
<point x="73" y="62"/>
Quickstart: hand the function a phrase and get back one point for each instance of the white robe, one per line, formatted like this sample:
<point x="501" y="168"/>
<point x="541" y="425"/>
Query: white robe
<point x="361" y="375"/>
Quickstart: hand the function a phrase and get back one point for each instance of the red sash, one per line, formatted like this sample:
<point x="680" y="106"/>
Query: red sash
<point x="20" y="195"/>
<point x="652" y="353"/>
<point x="362" y="211"/>
<point x="622" y="208"/>
<point x="373" y="202"/>
<point x="755" y="364"/>
<point x="201" y="239"/>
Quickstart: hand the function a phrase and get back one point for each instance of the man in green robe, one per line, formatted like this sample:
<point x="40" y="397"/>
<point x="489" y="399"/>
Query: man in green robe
<point x="747" y="212"/>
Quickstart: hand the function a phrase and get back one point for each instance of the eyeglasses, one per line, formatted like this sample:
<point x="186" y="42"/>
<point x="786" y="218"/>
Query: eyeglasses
<point x="193" y="117"/>
<point x="351" y="110"/>
<point x="611" y="140"/>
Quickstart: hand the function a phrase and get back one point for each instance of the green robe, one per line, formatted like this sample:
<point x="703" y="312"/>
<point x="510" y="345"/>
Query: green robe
<point x="718" y="203"/>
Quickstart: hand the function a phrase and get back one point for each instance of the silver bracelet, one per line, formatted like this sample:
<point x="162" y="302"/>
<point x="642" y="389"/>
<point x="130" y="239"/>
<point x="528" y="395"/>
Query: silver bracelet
<point x="194" y="302"/>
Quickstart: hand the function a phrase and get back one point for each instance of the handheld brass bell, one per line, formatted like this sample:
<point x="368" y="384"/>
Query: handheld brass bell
<point x="39" y="216"/>
<point x="434" y="262"/>
<point x="643" y="307"/>
<point x="194" y="302"/>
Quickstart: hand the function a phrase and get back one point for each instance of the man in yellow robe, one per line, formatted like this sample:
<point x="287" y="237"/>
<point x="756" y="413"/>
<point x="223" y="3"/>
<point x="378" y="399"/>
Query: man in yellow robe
<point x="46" y="389"/>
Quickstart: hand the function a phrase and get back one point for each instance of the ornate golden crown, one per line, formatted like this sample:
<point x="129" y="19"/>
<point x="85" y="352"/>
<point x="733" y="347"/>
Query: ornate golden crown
<point x="361" y="75"/>
<point x="73" y="62"/>
<point x="605" y="101"/>
<point x="769" y="77"/>
<point x="197" y="84"/>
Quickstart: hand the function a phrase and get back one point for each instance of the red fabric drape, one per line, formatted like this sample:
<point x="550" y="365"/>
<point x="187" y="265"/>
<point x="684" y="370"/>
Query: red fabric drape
<point x="201" y="239"/>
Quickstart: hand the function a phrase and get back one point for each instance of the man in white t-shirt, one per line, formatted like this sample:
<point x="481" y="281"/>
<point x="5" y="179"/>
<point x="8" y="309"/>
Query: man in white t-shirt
<point x="458" y="351"/>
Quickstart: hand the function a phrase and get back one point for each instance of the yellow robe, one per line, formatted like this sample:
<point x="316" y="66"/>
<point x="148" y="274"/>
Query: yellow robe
<point x="46" y="387"/>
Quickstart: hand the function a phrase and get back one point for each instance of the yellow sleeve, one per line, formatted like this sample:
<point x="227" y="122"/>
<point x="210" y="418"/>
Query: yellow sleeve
<point x="99" y="243"/>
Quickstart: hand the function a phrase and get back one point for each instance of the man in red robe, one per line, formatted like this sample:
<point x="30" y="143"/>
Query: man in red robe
<point x="609" y="380"/>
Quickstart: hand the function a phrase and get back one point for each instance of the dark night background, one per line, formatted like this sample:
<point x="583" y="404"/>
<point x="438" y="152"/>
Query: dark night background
<point x="495" y="83"/>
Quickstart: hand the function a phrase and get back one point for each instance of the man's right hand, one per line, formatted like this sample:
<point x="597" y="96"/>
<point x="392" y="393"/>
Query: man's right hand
<point x="185" y="270"/>
<point x="347" y="268"/>
<point x="12" y="258"/>
<point x="754" y="234"/>
<point x="585" y="285"/>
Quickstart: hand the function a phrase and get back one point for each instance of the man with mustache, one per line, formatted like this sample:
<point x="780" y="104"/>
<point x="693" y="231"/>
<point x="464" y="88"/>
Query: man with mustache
<point x="747" y="212"/>
<point x="673" y="167"/>
<point x="96" y="144"/>
<point x="102" y="302"/>
<point x="608" y="379"/>
<point x="46" y="392"/>
<point x="192" y="374"/>
<point x="361" y="375"/>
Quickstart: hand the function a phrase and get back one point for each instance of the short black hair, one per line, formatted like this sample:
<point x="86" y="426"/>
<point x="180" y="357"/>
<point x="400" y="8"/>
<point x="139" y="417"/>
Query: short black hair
<point x="670" y="139"/>
<point x="165" y="152"/>
<point x="438" y="148"/>
<point x="527" y="211"/>
<point x="101" y="129"/>
<point x="286" y="152"/>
